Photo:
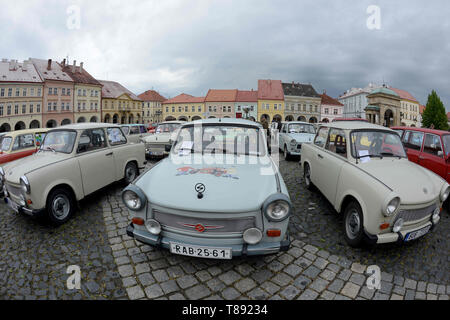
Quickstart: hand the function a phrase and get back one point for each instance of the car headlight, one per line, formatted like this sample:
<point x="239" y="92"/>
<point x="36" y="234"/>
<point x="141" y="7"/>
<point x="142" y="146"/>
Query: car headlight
<point x="392" y="207"/>
<point x="252" y="236"/>
<point x="133" y="198"/>
<point x="293" y="143"/>
<point x="25" y="184"/>
<point x="277" y="207"/>
<point x="445" y="192"/>
<point x="153" y="227"/>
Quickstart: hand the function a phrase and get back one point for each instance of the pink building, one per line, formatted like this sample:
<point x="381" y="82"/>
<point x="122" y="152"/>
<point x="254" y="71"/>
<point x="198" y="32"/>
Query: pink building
<point x="58" y="93"/>
<point x="330" y="108"/>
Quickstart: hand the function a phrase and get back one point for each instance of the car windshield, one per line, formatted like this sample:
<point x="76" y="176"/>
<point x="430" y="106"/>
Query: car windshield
<point x="6" y="143"/>
<point x="371" y="143"/>
<point x="167" y="127"/>
<point x="301" y="128"/>
<point x="446" y="139"/>
<point x="220" y="139"/>
<point x="59" y="141"/>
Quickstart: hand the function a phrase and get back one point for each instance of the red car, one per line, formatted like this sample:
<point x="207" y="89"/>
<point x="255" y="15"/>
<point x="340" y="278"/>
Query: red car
<point x="428" y="148"/>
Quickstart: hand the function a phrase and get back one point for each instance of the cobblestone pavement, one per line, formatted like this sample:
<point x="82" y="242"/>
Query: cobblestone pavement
<point x="319" y="265"/>
<point x="34" y="257"/>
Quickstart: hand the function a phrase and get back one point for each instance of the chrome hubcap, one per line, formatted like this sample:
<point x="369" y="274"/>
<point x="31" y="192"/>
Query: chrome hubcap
<point x="61" y="207"/>
<point x="353" y="224"/>
<point x="307" y="176"/>
<point x="130" y="174"/>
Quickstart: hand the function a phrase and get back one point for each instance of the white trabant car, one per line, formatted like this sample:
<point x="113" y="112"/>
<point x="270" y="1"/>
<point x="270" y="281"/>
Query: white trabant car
<point x="230" y="198"/>
<point x="158" y="144"/>
<point x="135" y="132"/>
<point x="72" y="162"/>
<point x="363" y="170"/>
<point x="293" y="135"/>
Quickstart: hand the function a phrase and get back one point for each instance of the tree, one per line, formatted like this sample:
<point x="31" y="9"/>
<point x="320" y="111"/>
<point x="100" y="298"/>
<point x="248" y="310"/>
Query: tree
<point x="434" y="114"/>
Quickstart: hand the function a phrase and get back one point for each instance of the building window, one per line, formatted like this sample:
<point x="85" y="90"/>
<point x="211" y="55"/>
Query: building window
<point x="84" y="105"/>
<point x="193" y="108"/>
<point x="24" y="92"/>
<point x="8" y="108"/>
<point x="173" y="109"/>
<point x="9" y="92"/>
<point x="84" y="92"/>
<point x="63" y="91"/>
<point x="335" y="111"/>
<point x="32" y="92"/>
<point x="2" y="92"/>
<point x="209" y="108"/>
<point x="186" y="109"/>
<point x="24" y="108"/>
<point x="326" y="110"/>
<point x="229" y="108"/>
<point x="199" y="109"/>
<point x="16" y="109"/>
<point x="68" y="91"/>
<point x="50" y="91"/>
<point x="1" y="109"/>
<point x="17" y="92"/>
<point x="179" y="109"/>
<point x="31" y="108"/>
<point x="62" y="106"/>
<point x="167" y="109"/>
<point x="55" y="91"/>
<point x="39" y="92"/>
<point x="54" y="106"/>
<point x="38" y="108"/>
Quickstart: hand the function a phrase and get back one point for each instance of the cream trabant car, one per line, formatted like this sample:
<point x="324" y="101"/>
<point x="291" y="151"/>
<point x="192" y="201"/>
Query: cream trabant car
<point x="159" y="143"/>
<point x="363" y="170"/>
<point x="72" y="162"/>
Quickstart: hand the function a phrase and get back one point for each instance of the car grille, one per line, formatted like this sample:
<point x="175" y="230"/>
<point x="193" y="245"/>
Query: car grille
<point x="416" y="214"/>
<point x="204" y="225"/>
<point x="155" y="146"/>
<point x="13" y="190"/>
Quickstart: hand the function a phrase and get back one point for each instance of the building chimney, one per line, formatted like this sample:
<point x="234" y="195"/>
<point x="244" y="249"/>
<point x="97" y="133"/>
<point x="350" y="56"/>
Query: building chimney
<point x="74" y="65"/>
<point x="11" y="65"/>
<point x="63" y="63"/>
<point x="49" y="64"/>
<point x="25" y="65"/>
<point x="81" y="67"/>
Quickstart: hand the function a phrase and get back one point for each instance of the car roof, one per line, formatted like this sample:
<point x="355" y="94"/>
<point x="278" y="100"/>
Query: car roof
<point x="172" y="121"/>
<point x="132" y="124"/>
<point x="231" y="121"/>
<point x="426" y="130"/>
<point x="354" y="125"/>
<point x="296" y="122"/>
<point x="25" y="131"/>
<point x="87" y="125"/>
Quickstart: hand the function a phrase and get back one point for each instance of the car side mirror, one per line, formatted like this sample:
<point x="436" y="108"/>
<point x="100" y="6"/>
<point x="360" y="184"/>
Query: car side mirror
<point x="440" y="154"/>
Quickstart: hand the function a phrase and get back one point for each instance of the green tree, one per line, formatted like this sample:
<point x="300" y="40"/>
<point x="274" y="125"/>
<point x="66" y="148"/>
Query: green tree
<point x="434" y="114"/>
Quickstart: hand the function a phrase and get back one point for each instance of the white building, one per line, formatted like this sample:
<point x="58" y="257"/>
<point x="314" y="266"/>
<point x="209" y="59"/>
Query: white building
<point x="355" y="101"/>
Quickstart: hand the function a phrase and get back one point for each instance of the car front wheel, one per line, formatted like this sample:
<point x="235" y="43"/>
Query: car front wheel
<point x="287" y="155"/>
<point x="131" y="172"/>
<point x="307" y="177"/>
<point x="353" y="224"/>
<point x="60" y="206"/>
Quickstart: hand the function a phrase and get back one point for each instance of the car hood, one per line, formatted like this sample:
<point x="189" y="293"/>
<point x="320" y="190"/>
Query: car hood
<point x="228" y="188"/>
<point x="302" y="137"/>
<point x="413" y="183"/>
<point x="158" y="138"/>
<point x="14" y="170"/>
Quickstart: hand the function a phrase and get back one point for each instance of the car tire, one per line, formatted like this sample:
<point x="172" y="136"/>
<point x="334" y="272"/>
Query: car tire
<point x="353" y="224"/>
<point x="60" y="206"/>
<point x="287" y="155"/>
<point x="131" y="172"/>
<point x="307" y="177"/>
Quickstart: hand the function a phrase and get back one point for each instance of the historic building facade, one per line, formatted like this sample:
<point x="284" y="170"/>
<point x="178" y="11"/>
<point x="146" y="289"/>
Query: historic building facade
<point x="220" y="103"/>
<point x="57" y="104"/>
<point x="246" y="105"/>
<point x="355" y="101"/>
<point x="384" y="107"/>
<point x="184" y="107"/>
<point x="302" y="102"/>
<point x="152" y="106"/>
<point x="330" y="108"/>
<point x="21" y="90"/>
<point x="410" y="108"/>
<point x="119" y="105"/>
<point x="270" y="100"/>
<point x="87" y="93"/>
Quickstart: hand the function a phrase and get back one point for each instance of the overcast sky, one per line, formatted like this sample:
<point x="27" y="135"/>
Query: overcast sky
<point x="190" y="46"/>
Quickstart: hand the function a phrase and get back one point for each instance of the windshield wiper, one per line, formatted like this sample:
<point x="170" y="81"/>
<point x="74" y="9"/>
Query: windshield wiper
<point x="48" y="149"/>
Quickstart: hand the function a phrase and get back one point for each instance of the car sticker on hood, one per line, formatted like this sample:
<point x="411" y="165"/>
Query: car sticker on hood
<point x="218" y="172"/>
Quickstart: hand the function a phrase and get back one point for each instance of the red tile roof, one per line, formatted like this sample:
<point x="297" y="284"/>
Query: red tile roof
<point x="270" y="90"/>
<point x="185" y="98"/>
<point x="421" y="109"/>
<point x="151" y="95"/>
<point x="403" y="94"/>
<point x="78" y="76"/>
<point x="326" y="99"/>
<point x="247" y="96"/>
<point x="215" y="95"/>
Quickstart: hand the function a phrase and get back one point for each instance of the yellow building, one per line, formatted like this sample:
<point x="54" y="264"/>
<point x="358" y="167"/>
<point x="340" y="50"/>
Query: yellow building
<point x="409" y="109"/>
<point x="184" y="107"/>
<point x="119" y="105"/>
<point x="21" y="94"/>
<point x="87" y="93"/>
<point x="270" y="100"/>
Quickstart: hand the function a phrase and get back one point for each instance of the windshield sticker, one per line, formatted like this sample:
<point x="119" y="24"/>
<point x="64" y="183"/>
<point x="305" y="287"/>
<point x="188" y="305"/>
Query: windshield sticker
<point x="218" y="172"/>
<point x="364" y="155"/>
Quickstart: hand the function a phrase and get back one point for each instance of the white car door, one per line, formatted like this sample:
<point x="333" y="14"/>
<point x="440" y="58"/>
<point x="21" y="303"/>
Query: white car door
<point x="95" y="159"/>
<point x="283" y="135"/>
<point x="318" y="177"/>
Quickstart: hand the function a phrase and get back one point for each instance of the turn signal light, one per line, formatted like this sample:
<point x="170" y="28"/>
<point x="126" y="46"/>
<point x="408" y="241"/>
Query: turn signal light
<point x="384" y="226"/>
<point x="138" y="221"/>
<point x="29" y="201"/>
<point x="273" y="233"/>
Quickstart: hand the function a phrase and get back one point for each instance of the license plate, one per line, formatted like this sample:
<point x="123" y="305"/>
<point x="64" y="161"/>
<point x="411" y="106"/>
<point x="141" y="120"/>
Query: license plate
<point x="417" y="234"/>
<point x="155" y="153"/>
<point x="200" y="252"/>
<point x="12" y="205"/>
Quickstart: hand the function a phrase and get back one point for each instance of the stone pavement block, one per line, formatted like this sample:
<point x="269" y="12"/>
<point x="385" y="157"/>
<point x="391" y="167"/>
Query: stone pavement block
<point x="358" y="268"/>
<point x="323" y="254"/>
<point x="230" y="294"/>
<point x="328" y="275"/>
<point x="146" y="279"/>
<point x="197" y="292"/>
<point x="320" y="263"/>
<point x="177" y="296"/>
<point x="303" y="262"/>
<point x="302" y="282"/>
<point x="154" y="291"/>
<point x="245" y="285"/>
<point x="441" y="289"/>
<point x="310" y="248"/>
<point x="399" y="290"/>
<point x="169" y="286"/>
<point x="336" y="286"/>
<point x="345" y="274"/>
<point x="432" y="288"/>
<point x="443" y="297"/>
<point x="215" y="284"/>
<point x="262" y="275"/>
<point x="396" y="297"/>
<point x="381" y="296"/>
<point x="293" y="270"/>
<point x="432" y="296"/>
<point x="311" y="272"/>
<point x="350" y="290"/>
<point x="367" y="293"/>
<point x="308" y="294"/>
<point x="295" y="252"/>
<point x="270" y="287"/>
<point x="186" y="281"/>
<point x="410" y="284"/>
<point x="333" y="267"/>
<point x="386" y="277"/>
<point x="328" y="295"/>
<point x="290" y="292"/>
<point x="410" y="294"/>
<point x="357" y="278"/>
<point x="126" y="270"/>
<point x="160" y="275"/>
<point x="386" y="287"/>
<point x="203" y="275"/>
<point x="421" y="286"/>
<point x="129" y="282"/>
<point x="135" y="293"/>
<point x="258" y="294"/>
<point x="229" y="277"/>
<point x="420" y="296"/>
<point x="319" y="285"/>
<point x="282" y="279"/>
<point x="399" y="280"/>
<point x="285" y="259"/>
<point x="275" y="266"/>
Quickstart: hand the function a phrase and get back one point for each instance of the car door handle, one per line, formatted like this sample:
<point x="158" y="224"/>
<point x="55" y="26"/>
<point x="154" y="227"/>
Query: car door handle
<point x="320" y="156"/>
<point x="109" y="154"/>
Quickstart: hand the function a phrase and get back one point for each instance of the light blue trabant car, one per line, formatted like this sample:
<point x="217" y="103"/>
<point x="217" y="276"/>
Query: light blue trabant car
<point x="293" y="135"/>
<point x="218" y="195"/>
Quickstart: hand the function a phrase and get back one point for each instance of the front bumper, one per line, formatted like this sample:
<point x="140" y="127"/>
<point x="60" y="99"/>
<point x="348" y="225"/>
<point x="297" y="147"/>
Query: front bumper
<point x="237" y="250"/>
<point x="398" y="237"/>
<point x="21" y="209"/>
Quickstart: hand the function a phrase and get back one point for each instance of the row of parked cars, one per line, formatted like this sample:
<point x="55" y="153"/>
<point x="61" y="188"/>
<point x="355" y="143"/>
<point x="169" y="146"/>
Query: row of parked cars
<point x="202" y="201"/>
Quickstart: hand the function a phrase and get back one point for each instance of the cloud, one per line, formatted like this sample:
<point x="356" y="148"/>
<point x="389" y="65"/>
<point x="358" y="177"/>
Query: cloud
<point x="191" y="46"/>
